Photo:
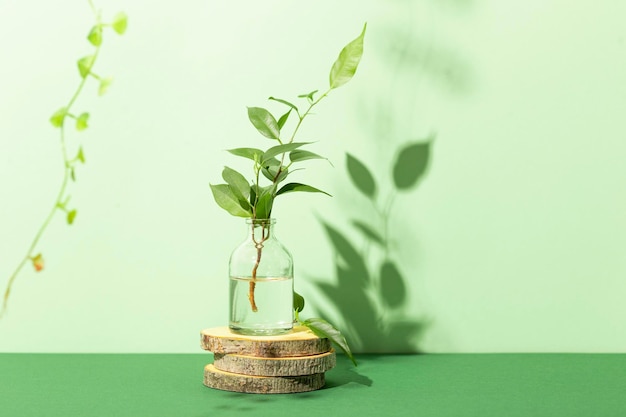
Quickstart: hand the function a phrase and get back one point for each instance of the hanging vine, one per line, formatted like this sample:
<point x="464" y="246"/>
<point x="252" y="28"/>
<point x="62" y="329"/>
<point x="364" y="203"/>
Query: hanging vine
<point x="59" y="120"/>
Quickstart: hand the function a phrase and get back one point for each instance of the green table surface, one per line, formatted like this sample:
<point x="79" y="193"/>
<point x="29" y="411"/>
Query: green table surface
<point x="504" y="385"/>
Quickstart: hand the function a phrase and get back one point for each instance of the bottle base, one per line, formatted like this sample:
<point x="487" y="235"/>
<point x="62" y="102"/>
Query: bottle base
<point x="260" y="332"/>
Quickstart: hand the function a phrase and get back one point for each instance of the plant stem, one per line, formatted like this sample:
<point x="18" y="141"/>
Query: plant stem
<point x="44" y="226"/>
<point x="58" y="203"/>
<point x="259" y="245"/>
<point x="253" y="281"/>
<point x="259" y="250"/>
<point x="385" y="218"/>
<point x="300" y="120"/>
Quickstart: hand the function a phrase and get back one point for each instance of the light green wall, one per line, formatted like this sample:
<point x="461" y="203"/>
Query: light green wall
<point x="514" y="240"/>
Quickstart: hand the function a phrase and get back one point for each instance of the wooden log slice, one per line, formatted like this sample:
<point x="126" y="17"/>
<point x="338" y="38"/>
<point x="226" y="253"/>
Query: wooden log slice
<point x="226" y="381"/>
<point x="293" y="366"/>
<point x="299" y="342"/>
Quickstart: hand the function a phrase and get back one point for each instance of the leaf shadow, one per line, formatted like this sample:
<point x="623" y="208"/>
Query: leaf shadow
<point x="344" y="375"/>
<point x="412" y="53"/>
<point x="370" y="292"/>
<point x="364" y="299"/>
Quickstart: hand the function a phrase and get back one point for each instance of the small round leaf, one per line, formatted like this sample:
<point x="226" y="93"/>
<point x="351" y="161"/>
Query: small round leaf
<point x="81" y="121"/>
<point x="104" y="85"/>
<point x="95" y="35"/>
<point x="80" y="156"/>
<point x="58" y="117"/>
<point x="120" y="22"/>
<point x="85" y="64"/>
<point x="71" y="215"/>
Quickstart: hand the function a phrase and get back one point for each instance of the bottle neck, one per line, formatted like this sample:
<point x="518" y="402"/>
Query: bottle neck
<point x="261" y="230"/>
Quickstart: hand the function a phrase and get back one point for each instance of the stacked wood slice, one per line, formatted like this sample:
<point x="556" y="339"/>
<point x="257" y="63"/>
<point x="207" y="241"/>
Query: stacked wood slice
<point x="293" y="362"/>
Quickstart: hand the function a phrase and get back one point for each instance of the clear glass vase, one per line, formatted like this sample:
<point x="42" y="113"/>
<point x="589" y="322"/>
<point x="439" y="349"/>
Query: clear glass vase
<point x="261" y="282"/>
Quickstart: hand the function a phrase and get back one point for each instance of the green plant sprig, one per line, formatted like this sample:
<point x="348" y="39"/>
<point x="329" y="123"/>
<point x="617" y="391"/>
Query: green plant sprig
<point x="58" y="119"/>
<point x="242" y="198"/>
<point x="321" y="327"/>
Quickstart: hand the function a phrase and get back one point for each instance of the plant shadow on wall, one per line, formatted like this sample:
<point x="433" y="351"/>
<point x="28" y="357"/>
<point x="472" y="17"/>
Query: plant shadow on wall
<point x="370" y="288"/>
<point x="370" y="291"/>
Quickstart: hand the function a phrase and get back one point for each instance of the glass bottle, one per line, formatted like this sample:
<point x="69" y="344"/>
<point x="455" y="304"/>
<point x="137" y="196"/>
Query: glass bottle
<point x="261" y="282"/>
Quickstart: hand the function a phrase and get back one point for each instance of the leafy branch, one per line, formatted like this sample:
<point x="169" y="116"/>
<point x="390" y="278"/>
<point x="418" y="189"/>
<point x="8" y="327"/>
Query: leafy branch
<point x="58" y="120"/>
<point x="250" y="198"/>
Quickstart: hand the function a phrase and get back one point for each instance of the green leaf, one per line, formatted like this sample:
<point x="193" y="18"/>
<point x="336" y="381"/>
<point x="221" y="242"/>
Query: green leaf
<point x="120" y="22"/>
<point x="264" y="122"/>
<point x="58" y="117"/>
<point x="81" y="121"/>
<point x="72" y="174"/>
<point x="324" y="329"/>
<point x="308" y="96"/>
<point x="294" y="186"/>
<point x="411" y="165"/>
<point x="271" y="173"/>
<point x="268" y="190"/>
<point x="250" y="153"/>
<point x="298" y="302"/>
<point x="71" y="215"/>
<point x="265" y="203"/>
<point x="283" y="119"/>
<point x="293" y="106"/>
<point x="252" y="195"/>
<point x="95" y="35"/>
<point x="301" y="155"/>
<point x="104" y="85"/>
<point x="361" y="176"/>
<point x="80" y="156"/>
<point x="237" y="182"/>
<point x="279" y="149"/>
<point x="226" y="199"/>
<point x="85" y="64"/>
<point x="370" y="233"/>
<point x="271" y="163"/>
<point x="346" y="64"/>
<point x="392" y="286"/>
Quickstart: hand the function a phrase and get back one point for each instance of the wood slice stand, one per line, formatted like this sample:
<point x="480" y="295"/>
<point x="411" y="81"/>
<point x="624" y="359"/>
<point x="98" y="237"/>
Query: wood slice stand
<point x="288" y="363"/>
